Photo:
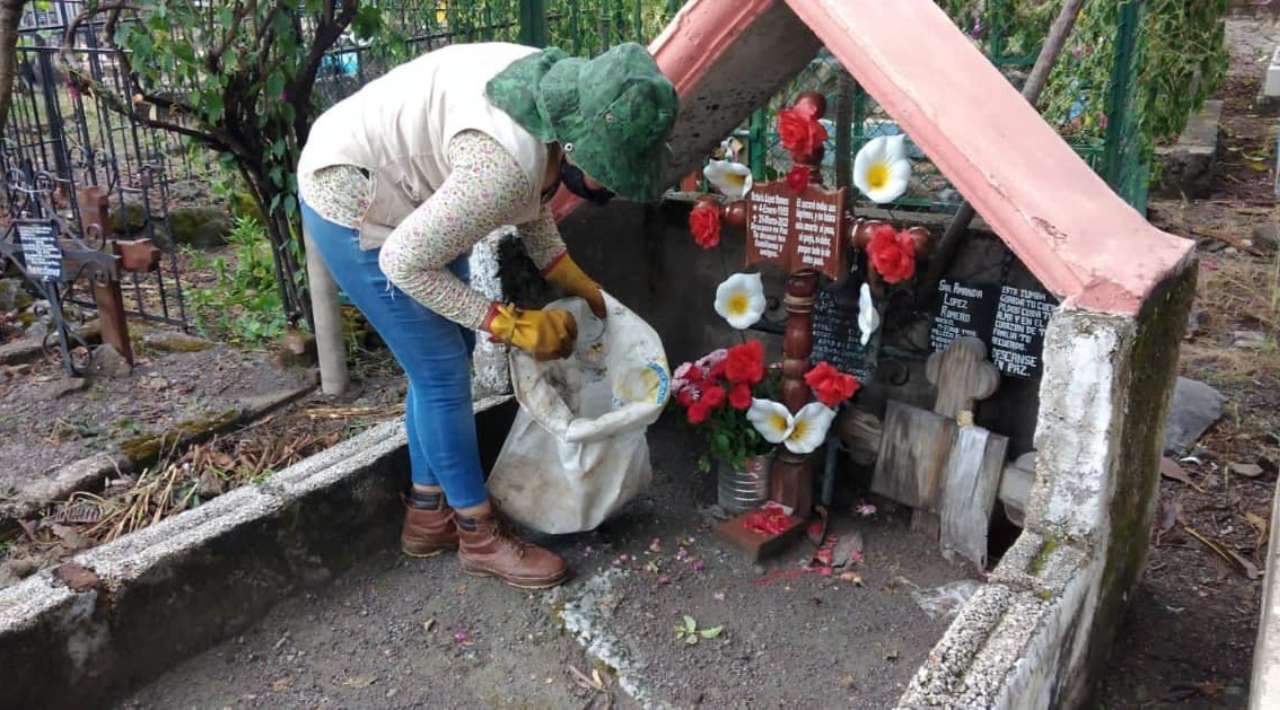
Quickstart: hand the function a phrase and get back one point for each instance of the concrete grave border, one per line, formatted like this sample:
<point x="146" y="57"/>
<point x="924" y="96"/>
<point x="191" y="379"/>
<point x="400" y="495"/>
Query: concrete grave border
<point x="120" y="614"/>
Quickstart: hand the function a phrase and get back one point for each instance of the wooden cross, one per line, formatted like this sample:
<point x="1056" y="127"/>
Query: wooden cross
<point x="803" y="232"/>
<point x="937" y="461"/>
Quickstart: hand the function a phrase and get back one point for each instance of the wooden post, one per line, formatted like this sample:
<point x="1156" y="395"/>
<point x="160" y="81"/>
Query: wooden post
<point x="792" y="480"/>
<point x="331" y="348"/>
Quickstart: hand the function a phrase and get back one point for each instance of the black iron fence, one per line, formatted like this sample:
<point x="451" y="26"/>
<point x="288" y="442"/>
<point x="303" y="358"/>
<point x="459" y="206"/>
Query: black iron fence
<point x="102" y="177"/>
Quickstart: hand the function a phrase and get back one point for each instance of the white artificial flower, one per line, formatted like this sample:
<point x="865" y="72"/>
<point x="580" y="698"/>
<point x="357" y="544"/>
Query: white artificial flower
<point x="729" y="148"/>
<point x="809" y="428"/>
<point x="881" y="170"/>
<point x="733" y="180"/>
<point x="740" y="300"/>
<point x="771" y="419"/>
<point x="868" y="316"/>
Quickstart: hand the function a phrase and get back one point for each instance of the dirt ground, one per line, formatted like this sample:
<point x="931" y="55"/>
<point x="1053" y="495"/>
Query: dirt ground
<point x="40" y="432"/>
<point x="1189" y="636"/>
<point x="809" y="641"/>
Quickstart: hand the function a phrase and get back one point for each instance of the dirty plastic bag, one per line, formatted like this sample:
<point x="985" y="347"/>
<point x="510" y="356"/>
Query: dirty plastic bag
<point x="947" y="600"/>
<point x="577" y="451"/>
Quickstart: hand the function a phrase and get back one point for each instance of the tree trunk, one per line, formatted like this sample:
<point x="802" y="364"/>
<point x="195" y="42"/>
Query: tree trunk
<point x="279" y="232"/>
<point x="10" y="19"/>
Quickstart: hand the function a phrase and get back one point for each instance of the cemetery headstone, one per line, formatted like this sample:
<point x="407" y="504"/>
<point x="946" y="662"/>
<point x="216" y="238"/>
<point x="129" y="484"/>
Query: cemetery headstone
<point x="837" y="339"/>
<point x="40" y="249"/>
<point x="965" y="310"/>
<point x="797" y="231"/>
<point x="1017" y="337"/>
<point x="1011" y="321"/>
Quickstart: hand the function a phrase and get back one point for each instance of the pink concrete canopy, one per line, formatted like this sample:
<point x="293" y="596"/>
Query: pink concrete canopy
<point x="1082" y="241"/>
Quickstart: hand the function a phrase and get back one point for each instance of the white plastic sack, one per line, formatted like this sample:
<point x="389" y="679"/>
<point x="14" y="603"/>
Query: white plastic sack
<point x="577" y="451"/>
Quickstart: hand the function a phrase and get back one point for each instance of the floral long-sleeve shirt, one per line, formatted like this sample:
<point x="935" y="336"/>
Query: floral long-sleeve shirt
<point x="481" y="194"/>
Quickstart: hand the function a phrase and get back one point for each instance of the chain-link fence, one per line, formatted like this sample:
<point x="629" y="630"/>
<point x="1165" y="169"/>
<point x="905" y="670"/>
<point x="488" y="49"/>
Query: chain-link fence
<point x="1117" y="157"/>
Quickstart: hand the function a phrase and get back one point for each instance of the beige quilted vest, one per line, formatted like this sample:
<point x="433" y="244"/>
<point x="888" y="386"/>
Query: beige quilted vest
<point x="398" y="128"/>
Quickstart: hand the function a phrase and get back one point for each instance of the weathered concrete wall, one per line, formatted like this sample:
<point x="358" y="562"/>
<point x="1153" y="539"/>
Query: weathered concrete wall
<point x="125" y="612"/>
<point x="633" y="250"/>
<point x="1037" y="635"/>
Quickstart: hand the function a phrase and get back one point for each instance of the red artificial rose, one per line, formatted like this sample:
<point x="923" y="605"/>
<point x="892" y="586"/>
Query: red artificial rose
<point x="800" y="132"/>
<point x="892" y="254"/>
<point x="713" y="396"/>
<point x="717" y="370"/>
<point x="830" y="385"/>
<point x="740" y="396"/>
<point x="704" y="222"/>
<point x="688" y="395"/>
<point x="798" y="178"/>
<point x="745" y="363"/>
<point x="698" y="412"/>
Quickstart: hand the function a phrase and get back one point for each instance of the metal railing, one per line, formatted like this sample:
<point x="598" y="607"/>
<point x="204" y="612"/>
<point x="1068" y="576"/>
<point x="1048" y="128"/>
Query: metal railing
<point x="1117" y="157"/>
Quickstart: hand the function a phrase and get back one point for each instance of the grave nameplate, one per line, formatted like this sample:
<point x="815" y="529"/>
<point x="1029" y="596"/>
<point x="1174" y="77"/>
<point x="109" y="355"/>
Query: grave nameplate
<point x="40" y="249"/>
<point x="837" y="339"/>
<point x="964" y="310"/>
<point x="1017" y="337"/>
<point x="796" y="231"/>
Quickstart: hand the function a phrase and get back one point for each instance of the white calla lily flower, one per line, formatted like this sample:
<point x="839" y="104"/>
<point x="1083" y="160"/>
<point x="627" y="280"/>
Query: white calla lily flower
<point x="771" y="419"/>
<point x="881" y="169"/>
<point x="740" y="300"/>
<point x="733" y="180"/>
<point x="868" y="316"/>
<point x="809" y="428"/>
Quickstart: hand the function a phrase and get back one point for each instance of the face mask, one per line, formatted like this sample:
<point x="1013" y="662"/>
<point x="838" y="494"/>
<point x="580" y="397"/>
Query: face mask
<point x="574" y="179"/>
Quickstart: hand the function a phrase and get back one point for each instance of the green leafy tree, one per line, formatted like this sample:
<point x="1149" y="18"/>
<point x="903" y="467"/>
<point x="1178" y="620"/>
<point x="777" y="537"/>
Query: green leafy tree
<point x="237" y="76"/>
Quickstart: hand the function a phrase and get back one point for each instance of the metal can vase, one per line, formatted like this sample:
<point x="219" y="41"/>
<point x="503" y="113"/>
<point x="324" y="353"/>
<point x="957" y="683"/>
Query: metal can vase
<point x="748" y="489"/>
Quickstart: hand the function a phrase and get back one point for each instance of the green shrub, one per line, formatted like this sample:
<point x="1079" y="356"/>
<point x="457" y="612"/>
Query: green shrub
<point x="243" y="306"/>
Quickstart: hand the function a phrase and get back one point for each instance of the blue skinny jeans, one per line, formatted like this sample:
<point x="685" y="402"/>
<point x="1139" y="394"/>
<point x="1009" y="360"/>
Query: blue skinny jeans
<point x="434" y="352"/>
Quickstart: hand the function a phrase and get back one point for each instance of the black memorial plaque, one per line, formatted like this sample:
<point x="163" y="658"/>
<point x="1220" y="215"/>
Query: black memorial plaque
<point x="1017" y="337"/>
<point x="964" y="310"/>
<point x="40" y="249"/>
<point x="837" y="339"/>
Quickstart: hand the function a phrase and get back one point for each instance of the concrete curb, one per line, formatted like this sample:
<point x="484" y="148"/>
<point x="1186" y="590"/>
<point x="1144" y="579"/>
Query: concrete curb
<point x="120" y="614"/>
<point x="1265" y="684"/>
<point x="91" y="471"/>
<point x="29" y="349"/>
<point x="1188" y="167"/>
<point x="1009" y="639"/>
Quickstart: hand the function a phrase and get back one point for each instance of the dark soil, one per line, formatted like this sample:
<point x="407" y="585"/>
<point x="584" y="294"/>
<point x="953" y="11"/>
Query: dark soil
<point x="1189" y="636"/>
<point x="39" y="433"/>
<point x="790" y="638"/>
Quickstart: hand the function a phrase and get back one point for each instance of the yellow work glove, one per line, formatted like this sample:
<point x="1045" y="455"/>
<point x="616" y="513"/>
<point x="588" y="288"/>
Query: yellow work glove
<point x="566" y="274"/>
<point x="546" y="335"/>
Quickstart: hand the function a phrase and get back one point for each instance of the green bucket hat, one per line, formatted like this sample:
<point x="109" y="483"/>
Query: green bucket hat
<point x="611" y="114"/>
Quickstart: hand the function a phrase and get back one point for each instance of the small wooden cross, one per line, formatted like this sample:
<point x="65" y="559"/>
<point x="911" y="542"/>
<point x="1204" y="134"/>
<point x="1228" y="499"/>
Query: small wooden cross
<point x="937" y="461"/>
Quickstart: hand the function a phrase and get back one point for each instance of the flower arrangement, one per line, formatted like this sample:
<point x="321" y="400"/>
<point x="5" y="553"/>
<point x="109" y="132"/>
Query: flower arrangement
<point x="729" y="394"/>
<point x="716" y="392"/>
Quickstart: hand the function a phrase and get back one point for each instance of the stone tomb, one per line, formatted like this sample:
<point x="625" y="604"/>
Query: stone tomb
<point x="1085" y="343"/>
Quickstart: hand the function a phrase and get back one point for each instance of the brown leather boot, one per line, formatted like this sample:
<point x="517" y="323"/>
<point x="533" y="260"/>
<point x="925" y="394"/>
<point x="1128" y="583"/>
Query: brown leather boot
<point x="487" y="549"/>
<point x="428" y="527"/>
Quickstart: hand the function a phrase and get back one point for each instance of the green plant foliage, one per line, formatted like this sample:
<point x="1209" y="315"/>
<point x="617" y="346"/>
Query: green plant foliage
<point x="235" y="77"/>
<point x="243" y="305"/>
<point x="1182" y="62"/>
<point x="589" y="27"/>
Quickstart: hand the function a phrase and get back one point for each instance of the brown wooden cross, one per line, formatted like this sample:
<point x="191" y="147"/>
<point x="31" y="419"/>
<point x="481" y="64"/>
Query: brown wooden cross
<point x="803" y="232"/>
